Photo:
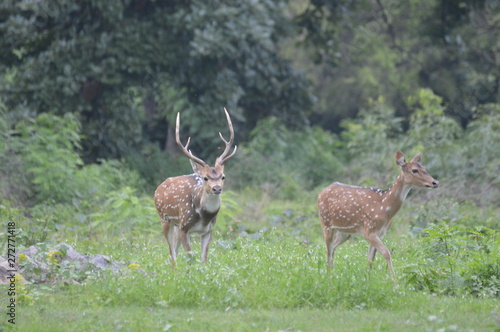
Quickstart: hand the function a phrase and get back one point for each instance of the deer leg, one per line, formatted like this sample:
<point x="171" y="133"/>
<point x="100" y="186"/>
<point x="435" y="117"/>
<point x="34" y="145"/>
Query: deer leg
<point x="339" y="239"/>
<point x="205" y="242"/>
<point x="328" y="233"/>
<point x="186" y="242"/>
<point x="333" y="242"/>
<point x="169" y="233"/>
<point x="371" y="254"/>
<point x="175" y="231"/>
<point x="377" y="244"/>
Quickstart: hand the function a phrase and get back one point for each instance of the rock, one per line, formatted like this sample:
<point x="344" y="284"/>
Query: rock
<point x="41" y="266"/>
<point x="5" y="271"/>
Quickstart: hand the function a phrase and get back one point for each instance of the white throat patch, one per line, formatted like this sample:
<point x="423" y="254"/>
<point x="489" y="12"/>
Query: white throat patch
<point x="212" y="203"/>
<point x="405" y="192"/>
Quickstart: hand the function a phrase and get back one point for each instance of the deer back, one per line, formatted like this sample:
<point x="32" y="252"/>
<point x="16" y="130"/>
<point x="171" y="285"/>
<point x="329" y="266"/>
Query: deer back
<point x="350" y="208"/>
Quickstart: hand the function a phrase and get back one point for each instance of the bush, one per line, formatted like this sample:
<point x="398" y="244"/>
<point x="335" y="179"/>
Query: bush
<point x="14" y="184"/>
<point x="125" y="212"/>
<point x="290" y="161"/>
<point x="370" y="143"/>
<point x="455" y="260"/>
<point x="154" y="166"/>
<point x="49" y="154"/>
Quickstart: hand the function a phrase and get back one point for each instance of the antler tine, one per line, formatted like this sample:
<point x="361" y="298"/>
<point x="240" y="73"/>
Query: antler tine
<point x="222" y="159"/>
<point x="184" y="148"/>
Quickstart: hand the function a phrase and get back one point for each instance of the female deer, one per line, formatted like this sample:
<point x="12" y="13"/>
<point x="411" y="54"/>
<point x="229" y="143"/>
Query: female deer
<point x="345" y="210"/>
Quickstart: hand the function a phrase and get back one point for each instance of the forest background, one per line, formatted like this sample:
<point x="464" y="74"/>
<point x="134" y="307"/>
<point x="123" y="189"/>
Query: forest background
<point x="318" y="91"/>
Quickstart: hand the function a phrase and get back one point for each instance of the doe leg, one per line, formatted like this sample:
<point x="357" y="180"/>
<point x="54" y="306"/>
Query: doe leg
<point x="333" y="242"/>
<point x="328" y="234"/>
<point x="371" y="255"/>
<point x="377" y="244"/>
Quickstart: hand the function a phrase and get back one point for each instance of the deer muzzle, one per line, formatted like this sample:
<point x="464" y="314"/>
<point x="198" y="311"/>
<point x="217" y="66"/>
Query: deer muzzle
<point x="216" y="190"/>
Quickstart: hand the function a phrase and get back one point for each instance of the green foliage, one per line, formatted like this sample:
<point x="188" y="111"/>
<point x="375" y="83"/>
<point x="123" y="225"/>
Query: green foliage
<point x="370" y="142"/>
<point x="14" y="184"/>
<point x="229" y="214"/>
<point x="456" y="260"/>
<point x="126" y="67"/>
<point x="49" y="152"/>
<point x="292" y="161"/>
<point x="158" y="167"/>
<point x="429" y="124"/>
<point x="124" y="212"/>
<point x="430" y="127"/>
<point x="356" y="50"/>
<point x="480" y="144"/>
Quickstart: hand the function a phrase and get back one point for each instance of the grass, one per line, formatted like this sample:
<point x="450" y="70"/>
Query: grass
<point x="275" y="283"/>
<point x="420" y="313"/>
<point x="276" y="279"/>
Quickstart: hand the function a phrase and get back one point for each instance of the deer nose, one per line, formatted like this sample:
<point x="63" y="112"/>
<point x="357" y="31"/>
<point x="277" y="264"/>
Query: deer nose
<point x="216" y="190"/>
<point x="435" y="184"/>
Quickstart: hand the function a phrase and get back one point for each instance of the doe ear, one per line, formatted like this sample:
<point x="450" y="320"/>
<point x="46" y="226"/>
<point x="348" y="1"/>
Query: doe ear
<point x="400" y="159"/>
<point x="417" y="157"/>
<point x="196" y="167"/>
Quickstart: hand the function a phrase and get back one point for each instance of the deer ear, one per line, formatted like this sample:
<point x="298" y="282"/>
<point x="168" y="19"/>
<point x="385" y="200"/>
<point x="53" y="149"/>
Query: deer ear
<point x="196" y="167"/>
<point x="400" y="159"/>
<point x="417" y="157"/>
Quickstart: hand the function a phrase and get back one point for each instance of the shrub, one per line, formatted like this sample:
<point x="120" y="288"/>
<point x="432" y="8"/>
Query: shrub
<point x="49" y="153"/>
<point x="290" y="161"/>
<point x="455" y="260"/>
<point x="14" y="184"/>
<point x="125" y="212"/>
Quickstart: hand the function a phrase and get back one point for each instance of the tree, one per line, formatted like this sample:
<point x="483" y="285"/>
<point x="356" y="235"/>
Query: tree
<point x="115" y="63"/>
<point x="371" y="48"/>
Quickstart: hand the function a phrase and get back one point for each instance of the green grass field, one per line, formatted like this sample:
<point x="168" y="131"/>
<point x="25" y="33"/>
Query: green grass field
<point x="275" y="283"/>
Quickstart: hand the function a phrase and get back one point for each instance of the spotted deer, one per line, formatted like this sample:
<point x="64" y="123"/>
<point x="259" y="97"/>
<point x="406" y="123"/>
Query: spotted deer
<point x="345" y="210"/>
<point x="189" y="204"/>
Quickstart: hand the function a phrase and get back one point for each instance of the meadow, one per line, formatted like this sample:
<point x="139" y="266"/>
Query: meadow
<point x="274" y="277"/>
<point x="267" y="261"/>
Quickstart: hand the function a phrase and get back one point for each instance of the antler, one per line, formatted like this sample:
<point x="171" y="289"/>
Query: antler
<point x="222" y="159"/>
<point x="184" y="149"/>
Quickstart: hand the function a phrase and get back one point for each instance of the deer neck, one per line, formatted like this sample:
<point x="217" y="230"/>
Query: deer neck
<point x="210" y="202"/>
<point x="203" y="200"/>
<point x="396" y="195"/>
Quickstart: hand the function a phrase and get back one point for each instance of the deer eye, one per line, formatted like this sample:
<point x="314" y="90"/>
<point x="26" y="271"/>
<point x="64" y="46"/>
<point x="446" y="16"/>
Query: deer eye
<point x="205" y="179"/>
<point x="223" y="178"/>
<point x="415" y="171"/>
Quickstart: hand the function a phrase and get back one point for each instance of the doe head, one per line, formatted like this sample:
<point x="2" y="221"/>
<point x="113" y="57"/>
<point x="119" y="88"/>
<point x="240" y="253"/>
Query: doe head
<point x="414" y="173"/>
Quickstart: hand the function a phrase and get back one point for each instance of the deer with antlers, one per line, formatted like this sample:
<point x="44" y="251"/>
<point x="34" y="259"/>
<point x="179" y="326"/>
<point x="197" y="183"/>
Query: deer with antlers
<point x="189" y="204"/>
<point x="345" y="210"/>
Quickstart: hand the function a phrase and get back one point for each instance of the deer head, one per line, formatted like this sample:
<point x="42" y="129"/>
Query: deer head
<point x="212" y="177"/>
<point x="414" y="173"/>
